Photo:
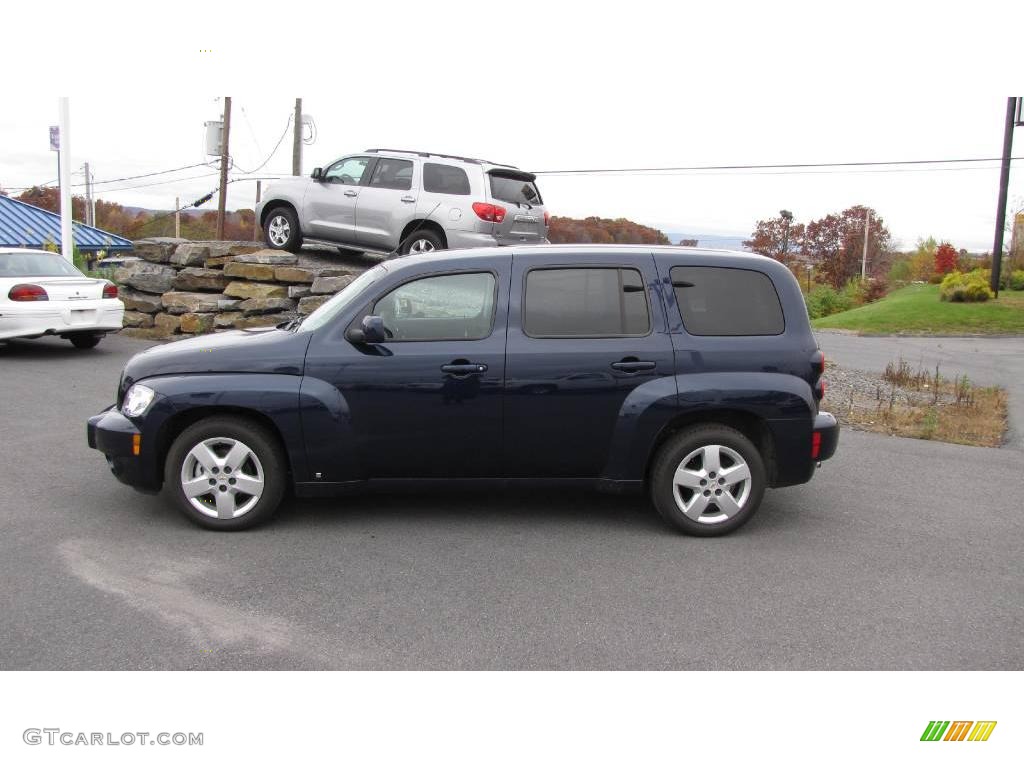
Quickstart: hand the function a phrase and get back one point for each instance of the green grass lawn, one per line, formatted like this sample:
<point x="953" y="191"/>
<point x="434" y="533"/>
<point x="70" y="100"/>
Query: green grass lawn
<point x="916" y="309"/>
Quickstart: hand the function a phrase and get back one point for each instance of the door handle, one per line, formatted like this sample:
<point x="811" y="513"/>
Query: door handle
<point x="463" y="369"/>
<point x="634" y="366"/>
<point x="408" y="199"/>
<point x="350" y="193"/>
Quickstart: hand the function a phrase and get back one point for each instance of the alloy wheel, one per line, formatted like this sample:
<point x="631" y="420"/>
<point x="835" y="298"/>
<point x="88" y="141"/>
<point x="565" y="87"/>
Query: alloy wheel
<point x="421" y="246"/>
<point x="279" y="230"/>
<point x="711" y="484"/>
<point x="222" y="477"/>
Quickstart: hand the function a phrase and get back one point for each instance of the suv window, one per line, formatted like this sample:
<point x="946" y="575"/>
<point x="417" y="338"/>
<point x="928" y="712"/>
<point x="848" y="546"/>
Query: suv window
<point x="392" y="174"/>
<point x="719" y="301"/>
<point x="511" y="190"/>
<point x="446" y="179"/>
<point x="349" y="170"/>
<point x="587" y="302"/>
<point x="442" y="307"/>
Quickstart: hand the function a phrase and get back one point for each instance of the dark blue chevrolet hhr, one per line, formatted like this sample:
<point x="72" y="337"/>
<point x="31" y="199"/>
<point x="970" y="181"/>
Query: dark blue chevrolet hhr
<point x="690" y="373"/>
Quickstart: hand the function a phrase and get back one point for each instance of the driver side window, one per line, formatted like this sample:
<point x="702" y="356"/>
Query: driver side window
<point x="441" y="307"/>
<point x="349" y="170"/>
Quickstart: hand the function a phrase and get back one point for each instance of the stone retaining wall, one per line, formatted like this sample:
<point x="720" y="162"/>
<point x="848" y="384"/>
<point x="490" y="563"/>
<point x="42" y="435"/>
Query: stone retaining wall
<point x="182" y="287"/>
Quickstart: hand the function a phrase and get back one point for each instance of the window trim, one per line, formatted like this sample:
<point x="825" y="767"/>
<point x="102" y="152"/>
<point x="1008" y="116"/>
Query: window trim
<point x="563" y="267"/>
<point x="368" y="306"/>
<point x="682" y="320"/>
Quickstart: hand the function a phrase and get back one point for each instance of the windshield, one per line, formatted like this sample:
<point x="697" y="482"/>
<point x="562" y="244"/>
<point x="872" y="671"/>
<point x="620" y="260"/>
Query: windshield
<point x="342" y="299"/>
<point x="35" y="264"/>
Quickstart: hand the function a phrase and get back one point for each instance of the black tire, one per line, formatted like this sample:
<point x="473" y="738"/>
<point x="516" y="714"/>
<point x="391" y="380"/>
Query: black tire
<point x="684" y="444"/>
<point x="261" y="442"/>
<point x="85" y="340"/>
<point x="427" y="235"/>
<point x="293" y="242"/>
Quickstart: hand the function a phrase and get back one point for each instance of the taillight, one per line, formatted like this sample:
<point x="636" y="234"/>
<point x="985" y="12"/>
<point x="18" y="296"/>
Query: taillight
<point x="547" y="219"/>
<point x="815" y="444"/>
<point x="489" y="212"/>
<point x="27" y="292"/>
<point x="109" y="291"/>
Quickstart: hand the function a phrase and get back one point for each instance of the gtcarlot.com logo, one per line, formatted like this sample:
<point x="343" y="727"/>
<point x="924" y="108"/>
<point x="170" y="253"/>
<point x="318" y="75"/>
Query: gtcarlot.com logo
<point x="56" y="736"/>
<point x="958" y="730"/>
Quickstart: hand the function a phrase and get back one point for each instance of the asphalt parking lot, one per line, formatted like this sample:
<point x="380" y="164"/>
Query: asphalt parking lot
<point x="901" y="554"/>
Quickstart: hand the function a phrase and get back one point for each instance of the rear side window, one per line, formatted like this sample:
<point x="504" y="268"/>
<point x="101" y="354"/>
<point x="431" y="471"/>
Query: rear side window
<point x="446" y="179"/>
<point x="717" y="301"/>
<point x="588" y="302"/>
<point x="514" y="190"/>
<point x="392" y="174"/>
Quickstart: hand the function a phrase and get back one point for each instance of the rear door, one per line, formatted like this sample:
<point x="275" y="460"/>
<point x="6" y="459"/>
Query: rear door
<point x="386" y="203"/>
<point x="585" y="332"/>
<point x="330" y="203"/>
<point x="517" y="192"/>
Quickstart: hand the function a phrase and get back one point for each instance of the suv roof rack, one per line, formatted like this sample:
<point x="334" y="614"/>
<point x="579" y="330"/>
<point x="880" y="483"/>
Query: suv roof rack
<point x="421" y="153"/>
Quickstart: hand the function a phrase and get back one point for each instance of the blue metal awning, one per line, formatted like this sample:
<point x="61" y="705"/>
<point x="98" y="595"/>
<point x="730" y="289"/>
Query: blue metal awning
<point x="25" y="226"/>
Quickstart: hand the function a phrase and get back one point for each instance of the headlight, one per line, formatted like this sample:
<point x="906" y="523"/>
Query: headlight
<point x="137" y="400"/>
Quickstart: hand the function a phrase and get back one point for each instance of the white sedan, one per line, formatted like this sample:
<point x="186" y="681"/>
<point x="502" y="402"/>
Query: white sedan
<point x="43" y="294"/>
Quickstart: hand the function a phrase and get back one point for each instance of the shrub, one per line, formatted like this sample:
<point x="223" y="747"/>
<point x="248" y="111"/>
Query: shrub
<point x="973" y="286"/>
<point x="935" y="278"/>
<point x="824" y="300"/>
<point x="901" y="271"/>
<point x="1016" y="282"/>
<point x="875" y="289"/>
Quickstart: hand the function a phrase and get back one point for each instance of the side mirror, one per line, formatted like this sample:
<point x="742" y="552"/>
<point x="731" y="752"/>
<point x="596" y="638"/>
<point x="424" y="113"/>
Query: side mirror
<point x="371" y="331"/>
<point x="318" y="174"/>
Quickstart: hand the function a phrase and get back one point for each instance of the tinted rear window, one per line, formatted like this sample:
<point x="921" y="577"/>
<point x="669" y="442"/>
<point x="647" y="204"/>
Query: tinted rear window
<point x="717" y="301"/>
<point x="514" y="190"/>
<point x="391" y="173"/>
<point x="589" y="302"/>
<point x="446" y="179"/>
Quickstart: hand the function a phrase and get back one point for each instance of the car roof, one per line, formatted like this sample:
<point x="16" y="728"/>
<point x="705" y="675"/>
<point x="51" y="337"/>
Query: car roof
<point x="582" y="248"/>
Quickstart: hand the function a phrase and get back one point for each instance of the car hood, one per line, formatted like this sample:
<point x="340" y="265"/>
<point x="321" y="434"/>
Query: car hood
<point x="254" y="350"/>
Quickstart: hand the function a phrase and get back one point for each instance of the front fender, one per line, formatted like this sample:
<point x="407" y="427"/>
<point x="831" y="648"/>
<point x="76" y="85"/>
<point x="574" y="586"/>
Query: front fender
<point x="274" y="397"/>
<point x="652" y="407"/>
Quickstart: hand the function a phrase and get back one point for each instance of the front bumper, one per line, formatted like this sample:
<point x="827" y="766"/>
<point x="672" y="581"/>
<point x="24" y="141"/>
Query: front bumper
<point x="116" y="437"/>
<point x="826" y="426"/>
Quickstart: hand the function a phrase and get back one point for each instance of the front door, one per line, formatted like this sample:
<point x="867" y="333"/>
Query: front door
<point x="330" y="202"/>
<point x="427" y="402"/>
<point x="582" y="339"/>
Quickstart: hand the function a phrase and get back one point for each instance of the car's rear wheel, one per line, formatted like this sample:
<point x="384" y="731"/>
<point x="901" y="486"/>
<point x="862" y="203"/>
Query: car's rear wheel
<point x="226" y="473"/>
<point x="281" y="230"/>
<point x="85" y="340"/>
<point x="422" y="241"/>
<point x="708" y="480"/>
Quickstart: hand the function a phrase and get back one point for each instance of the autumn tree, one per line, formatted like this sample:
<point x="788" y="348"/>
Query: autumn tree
<point x="836" y="243"/>
<point x="945" y="259"/>
<point x="596" y="230"/>
<point x="770" y="239"/>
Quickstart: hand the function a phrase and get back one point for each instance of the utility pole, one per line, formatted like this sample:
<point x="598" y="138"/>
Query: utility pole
<point x="67" y="240"/>
<point x="256" y="222"/>
<point x="297" y="140"/>
<point x="222" y="198"/>
<point x="1004" y="182"/>
<point x="864" y="258"/>
<point x="88" y="197"/>
<point x="786" y="217"/>
<point x="177" y="217"/>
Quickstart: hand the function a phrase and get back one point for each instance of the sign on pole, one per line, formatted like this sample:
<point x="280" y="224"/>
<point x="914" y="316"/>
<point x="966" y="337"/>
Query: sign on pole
<point x="55" y="138"/>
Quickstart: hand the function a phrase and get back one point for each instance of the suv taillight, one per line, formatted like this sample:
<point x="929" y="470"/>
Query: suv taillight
<point x="27" y="292"/>
<point x="489" y="212"/>
<point x="547" y="219"/>
<point x="109" y="291"/>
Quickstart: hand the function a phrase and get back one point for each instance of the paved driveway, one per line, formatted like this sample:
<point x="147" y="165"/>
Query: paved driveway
<point x="901" y="554"/>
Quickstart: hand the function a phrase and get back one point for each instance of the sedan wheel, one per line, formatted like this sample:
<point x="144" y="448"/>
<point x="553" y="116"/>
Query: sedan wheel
<point x="222" y="478"/>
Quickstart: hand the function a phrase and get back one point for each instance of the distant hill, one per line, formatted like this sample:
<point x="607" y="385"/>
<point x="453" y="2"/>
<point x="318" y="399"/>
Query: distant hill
<point x="725" y="242"/>
<point x="597" y="230"/>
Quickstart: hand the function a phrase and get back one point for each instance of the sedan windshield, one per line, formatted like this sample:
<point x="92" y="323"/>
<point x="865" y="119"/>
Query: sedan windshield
<point x="342" y="299"/>
<point x="35" y="264"/>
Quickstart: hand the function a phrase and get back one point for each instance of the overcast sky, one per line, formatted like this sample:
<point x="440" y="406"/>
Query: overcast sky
<point x="580" y="89"/>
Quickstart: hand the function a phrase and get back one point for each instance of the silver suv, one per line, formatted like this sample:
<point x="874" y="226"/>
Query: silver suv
<point x="396" y="201"/>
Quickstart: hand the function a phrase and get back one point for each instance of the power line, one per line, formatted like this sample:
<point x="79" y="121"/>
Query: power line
<point x="147" y="175"/>
<point x="276" y="147"/>
<point x="774" y="166"/>
<point x="160" y="183"/>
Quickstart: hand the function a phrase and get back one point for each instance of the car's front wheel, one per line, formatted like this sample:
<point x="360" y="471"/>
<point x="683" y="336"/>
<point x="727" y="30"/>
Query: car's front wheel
<point x="226" y="473"/>
<point x="281" y="230"/>
<point x="708" y="480"/>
